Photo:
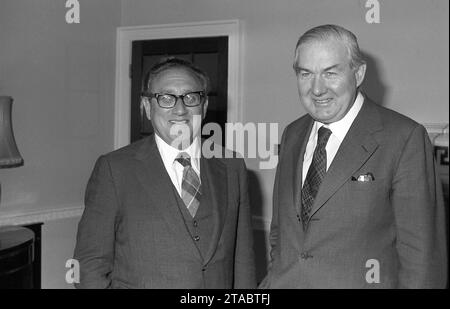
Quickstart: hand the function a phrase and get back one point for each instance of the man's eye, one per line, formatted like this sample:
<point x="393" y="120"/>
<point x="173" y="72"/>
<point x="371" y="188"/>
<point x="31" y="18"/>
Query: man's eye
<point x="189" y="97"/>
<point x="304" y="74"/>
<point x="165" y="98"/>
<point x="330" y="74"/>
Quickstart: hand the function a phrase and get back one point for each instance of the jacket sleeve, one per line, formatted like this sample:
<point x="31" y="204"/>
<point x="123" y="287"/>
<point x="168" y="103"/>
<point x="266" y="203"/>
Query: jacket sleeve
<point x="244" y="265"/>
<point x="420" y="215"/>
<point x="95" y="238"/>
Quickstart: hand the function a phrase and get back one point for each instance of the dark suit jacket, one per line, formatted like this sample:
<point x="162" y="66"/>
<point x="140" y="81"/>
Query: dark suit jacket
<point x="398" y="219"/>
<point x="132" y="234"/>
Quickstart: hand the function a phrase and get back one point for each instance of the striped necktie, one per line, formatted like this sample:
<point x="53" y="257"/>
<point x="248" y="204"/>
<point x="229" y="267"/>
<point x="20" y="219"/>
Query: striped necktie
<point x="190" y="186"/>
<point x="316" y="172"/>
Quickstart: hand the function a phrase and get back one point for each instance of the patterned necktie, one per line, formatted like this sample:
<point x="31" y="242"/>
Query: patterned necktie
<point x="191" y="186"/>
<point x="316" y="172"/>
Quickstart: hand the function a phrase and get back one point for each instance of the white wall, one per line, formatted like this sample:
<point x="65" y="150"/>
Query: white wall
<point x="61" y="77"/>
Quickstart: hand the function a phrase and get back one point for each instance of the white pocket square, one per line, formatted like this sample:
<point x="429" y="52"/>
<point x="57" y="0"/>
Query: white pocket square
<point x="364" y="178"/>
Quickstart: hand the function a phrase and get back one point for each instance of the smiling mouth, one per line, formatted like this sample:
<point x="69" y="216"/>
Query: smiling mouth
<point x="322" y="102"/>
<point x="182" y="121"/>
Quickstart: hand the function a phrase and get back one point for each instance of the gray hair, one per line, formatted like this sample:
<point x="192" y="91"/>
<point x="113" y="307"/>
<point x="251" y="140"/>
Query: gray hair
<point x="326" y="32"/>
<point x="172" y="62"/>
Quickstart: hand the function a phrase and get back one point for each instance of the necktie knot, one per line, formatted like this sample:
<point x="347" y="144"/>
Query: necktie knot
<point x="184" y="159"/>
<point x="324" y="135"/>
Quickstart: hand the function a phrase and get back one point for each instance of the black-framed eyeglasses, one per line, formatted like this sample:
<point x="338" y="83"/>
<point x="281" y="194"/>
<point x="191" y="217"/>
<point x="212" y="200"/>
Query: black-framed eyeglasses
<point x="168" y="100"/>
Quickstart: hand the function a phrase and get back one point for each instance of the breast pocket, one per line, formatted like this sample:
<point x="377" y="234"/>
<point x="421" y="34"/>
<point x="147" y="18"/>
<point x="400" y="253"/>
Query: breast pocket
<point x="365" y="199"/>
<point x="366" y="181"/>
<point x="369" y="186"/>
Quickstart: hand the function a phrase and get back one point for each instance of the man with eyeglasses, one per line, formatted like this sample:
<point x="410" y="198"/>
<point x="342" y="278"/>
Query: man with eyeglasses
<point x="160" y="215"/>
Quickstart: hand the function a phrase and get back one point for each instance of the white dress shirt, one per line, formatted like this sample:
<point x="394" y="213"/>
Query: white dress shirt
<point x="339" y="129"/>
<point x="174" y="168"/>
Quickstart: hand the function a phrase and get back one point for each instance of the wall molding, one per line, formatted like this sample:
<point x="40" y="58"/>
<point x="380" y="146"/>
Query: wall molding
<point x="436" y="128"/>
<point x="259" y="222"/>
<point x="41" y="215"/>
<point x="125" y="38"/>
<point x="439" y="136"/>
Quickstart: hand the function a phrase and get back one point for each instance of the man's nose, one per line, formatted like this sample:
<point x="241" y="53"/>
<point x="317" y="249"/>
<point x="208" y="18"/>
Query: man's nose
<point x="318" y="86"/>
<point x="179" y="108"/>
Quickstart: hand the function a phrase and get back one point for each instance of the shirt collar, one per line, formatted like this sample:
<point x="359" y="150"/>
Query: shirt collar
<point x="341" y="127"/>
<point x="169" y="153"/>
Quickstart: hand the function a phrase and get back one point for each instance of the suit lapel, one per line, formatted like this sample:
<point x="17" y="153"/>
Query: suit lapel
<point x="214" y="173"/>
<point x="299" y="152"/>
<point x="159" y="187"/>
<point x="356" y="148"/>
<point x="290" y="169"/>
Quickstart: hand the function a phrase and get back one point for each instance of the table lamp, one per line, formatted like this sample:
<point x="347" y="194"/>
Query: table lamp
<point x="9" y="154"/>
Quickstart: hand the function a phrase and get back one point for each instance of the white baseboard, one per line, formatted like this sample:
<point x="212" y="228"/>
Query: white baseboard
<point x="42" y="215"/>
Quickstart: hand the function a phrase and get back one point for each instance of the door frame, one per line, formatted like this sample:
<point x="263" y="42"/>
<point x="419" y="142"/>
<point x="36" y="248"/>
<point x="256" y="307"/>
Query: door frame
<point x="125" y="37"/>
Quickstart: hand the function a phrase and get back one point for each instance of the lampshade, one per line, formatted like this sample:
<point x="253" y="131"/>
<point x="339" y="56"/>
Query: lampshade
<point x="9" y="154"/>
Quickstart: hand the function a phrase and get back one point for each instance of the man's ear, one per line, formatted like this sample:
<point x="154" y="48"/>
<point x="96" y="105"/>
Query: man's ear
<point x="145" y="103"/>
<point x="360" y="72"/>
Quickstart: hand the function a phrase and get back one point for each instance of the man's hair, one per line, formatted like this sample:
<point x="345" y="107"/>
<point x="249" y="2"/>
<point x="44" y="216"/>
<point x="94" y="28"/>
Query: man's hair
<point x="172" y="62"/>
<point x="327" y="32"/>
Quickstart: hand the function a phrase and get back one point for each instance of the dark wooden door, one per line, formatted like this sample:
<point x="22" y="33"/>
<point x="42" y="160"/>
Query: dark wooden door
<point x="209" y="54"/>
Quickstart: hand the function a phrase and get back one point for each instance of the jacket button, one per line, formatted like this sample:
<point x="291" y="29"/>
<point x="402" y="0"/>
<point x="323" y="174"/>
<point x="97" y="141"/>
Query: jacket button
<point x="195" y="223"/>
<point x="197" y="238"/>
<point x="203" y="268"/>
